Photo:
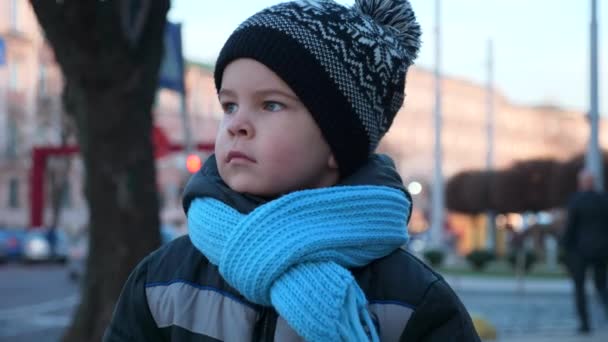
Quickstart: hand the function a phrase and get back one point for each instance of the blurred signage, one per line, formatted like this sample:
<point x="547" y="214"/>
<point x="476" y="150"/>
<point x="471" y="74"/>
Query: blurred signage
<point x="2" y="52"/>
<point x="172" y="66"/>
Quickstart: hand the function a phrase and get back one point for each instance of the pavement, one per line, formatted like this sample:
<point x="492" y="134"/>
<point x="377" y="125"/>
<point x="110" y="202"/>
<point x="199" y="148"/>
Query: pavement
<point x="526" y="310"/>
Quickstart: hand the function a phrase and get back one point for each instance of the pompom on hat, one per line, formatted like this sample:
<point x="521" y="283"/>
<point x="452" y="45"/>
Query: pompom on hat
<point x="347" y="65"/>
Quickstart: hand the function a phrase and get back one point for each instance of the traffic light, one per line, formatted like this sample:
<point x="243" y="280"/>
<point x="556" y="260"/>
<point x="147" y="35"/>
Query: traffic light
<point x="193" y="163"/>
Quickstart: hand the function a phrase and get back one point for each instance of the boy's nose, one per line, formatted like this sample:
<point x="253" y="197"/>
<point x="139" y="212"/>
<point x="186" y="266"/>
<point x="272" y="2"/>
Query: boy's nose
<point x="239" y="126"/>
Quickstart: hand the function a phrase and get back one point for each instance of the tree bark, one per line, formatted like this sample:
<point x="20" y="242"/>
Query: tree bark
<point x="111" y="78"/>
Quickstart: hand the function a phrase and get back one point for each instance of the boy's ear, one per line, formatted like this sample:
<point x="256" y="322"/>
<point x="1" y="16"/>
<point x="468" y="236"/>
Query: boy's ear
<point x="331" y="162"/>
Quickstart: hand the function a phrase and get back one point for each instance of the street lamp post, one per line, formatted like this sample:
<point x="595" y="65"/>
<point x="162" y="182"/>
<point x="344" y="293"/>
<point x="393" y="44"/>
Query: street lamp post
<point x="437" y="213"/>
<point x="491" y="216"/>
<point x="593" y="160"/>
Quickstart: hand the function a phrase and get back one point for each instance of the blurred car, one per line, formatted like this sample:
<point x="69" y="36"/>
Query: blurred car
<point x="37" y="246"/>
<point x="11" y="243"/>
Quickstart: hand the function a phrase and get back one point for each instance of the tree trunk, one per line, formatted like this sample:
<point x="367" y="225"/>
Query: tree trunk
<point x="111" y="75"/>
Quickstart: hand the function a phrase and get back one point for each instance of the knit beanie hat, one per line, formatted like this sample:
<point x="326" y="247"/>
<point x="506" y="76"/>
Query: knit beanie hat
<point x="347" y="65"/>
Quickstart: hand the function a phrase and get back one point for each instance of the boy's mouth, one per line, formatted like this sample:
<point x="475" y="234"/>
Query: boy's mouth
<point x="238" y="155"/>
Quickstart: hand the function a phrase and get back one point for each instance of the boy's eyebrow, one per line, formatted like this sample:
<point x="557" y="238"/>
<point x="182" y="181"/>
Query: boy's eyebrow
<point x="226" y="92"/>
<point x="262" y="92"/>
<point x="276" y="92"/>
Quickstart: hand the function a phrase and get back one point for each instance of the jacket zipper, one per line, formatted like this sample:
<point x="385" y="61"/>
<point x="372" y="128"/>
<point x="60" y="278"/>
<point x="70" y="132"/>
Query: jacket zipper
<point x="265" y="328"/>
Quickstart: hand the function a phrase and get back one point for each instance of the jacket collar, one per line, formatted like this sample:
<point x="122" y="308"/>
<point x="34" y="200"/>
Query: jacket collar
<point x="378" y="170"/>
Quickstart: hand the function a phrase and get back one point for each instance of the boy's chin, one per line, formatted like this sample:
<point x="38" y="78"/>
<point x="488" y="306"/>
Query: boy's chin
<point x="251" y="187"/>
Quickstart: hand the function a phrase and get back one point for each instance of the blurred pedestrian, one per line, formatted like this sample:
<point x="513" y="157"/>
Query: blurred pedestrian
<point x="295" y="225"/>
<point x="585" y="243"/>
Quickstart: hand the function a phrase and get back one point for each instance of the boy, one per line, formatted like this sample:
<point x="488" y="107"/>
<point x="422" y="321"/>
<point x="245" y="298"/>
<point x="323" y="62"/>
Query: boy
<point x="295" y="226"/>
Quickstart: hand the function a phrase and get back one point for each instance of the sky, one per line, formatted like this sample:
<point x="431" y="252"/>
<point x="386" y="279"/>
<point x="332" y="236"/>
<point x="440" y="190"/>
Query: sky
<point x="541" y="47"/>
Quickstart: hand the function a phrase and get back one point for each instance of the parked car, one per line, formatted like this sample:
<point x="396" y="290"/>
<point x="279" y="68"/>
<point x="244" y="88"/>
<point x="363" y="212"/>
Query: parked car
<point x="37" y="245"/>
<point x="11" y="243"/>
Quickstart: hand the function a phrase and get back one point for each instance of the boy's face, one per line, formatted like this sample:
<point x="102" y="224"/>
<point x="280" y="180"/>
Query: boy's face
<point x="268" y="143"/>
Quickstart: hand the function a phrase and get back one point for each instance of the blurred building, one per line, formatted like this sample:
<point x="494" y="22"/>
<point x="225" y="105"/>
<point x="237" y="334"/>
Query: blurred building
<point x="31" y="115"/>
<point x="520" y="132"/>
<point x="30" y="111"/>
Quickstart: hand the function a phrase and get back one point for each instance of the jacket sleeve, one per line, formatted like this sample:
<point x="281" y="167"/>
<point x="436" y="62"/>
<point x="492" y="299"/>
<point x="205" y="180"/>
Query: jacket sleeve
<point x="440" y="317"/>
<point x="132" y="320"/>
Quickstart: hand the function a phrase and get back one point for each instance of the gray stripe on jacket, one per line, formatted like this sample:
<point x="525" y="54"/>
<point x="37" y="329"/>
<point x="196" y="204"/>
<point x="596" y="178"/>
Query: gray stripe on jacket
<point x="201" y="310"/>
<point x="392" y="319"/>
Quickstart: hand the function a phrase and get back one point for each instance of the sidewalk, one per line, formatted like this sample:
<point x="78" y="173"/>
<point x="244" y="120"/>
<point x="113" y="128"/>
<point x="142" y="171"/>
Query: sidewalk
<point x="529" y="309"/>
<point x="598" y="336"/>
<point x="512" y="285"/>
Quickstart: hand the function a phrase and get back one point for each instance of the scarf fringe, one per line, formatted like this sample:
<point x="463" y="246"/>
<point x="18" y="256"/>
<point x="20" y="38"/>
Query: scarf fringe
<point x="356" y="323"/>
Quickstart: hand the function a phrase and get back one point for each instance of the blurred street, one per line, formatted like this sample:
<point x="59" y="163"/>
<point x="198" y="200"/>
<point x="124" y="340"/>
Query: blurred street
<point x="36" y="303"/>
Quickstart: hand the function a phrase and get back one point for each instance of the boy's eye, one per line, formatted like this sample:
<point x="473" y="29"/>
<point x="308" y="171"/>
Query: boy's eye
<point x="229" y="107"/>
<point x="273" y="106"/>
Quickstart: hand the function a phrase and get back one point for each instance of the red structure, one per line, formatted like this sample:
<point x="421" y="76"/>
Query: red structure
<point x="40" y="155"/>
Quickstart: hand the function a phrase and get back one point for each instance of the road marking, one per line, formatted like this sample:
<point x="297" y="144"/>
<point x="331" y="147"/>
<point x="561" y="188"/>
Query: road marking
<point x="33" y="324"/>
<point x="27" y="319"/>
<point x="40" y="308"/>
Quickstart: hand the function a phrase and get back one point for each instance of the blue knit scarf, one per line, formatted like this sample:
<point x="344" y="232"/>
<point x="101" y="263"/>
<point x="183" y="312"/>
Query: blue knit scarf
<point x="293" y="253"/>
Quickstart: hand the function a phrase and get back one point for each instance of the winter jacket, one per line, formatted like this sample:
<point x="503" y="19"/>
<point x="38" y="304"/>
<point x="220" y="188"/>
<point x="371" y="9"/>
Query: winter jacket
<point x="176" y="294"/>
<point x="587" y="226"/>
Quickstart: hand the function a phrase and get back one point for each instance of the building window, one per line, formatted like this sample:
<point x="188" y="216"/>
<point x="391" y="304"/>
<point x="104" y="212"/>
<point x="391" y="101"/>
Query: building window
<point x="66" y="195"/>
<point x="13" y="193"/>
<point x="42" y="80"/>
<point x="161" y="199"/>
<point x="14" y="14"/>
<point x="11" y="138"/>
<point x="13" y="77"/>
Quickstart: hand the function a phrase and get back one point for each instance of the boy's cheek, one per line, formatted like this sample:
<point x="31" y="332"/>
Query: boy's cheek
<point x="220" y="143"/>
<point x="281" y="153"/>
